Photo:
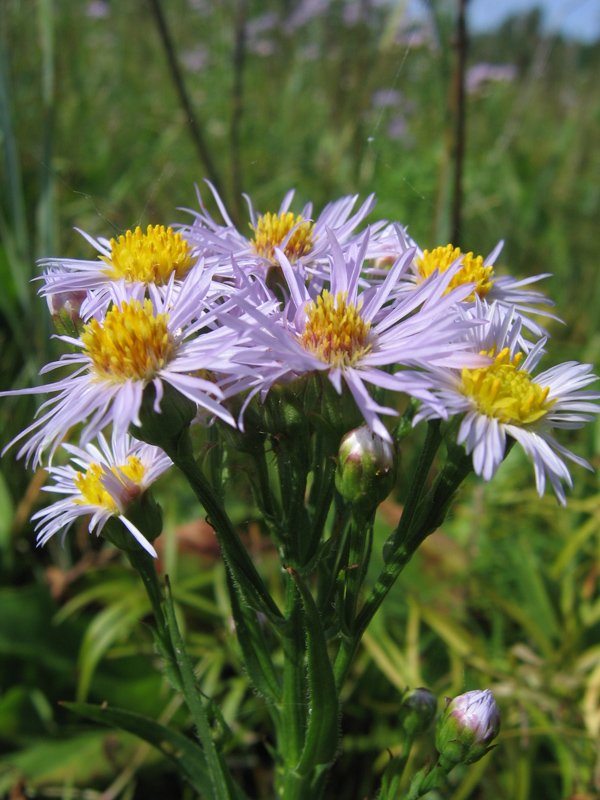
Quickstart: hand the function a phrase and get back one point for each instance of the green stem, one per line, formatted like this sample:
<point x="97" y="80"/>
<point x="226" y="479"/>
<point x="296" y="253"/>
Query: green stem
<point x="293" y="466"/>
<point x="143" y="562"/>
<point x="294" y="702"/>
<point x="395" y="770"/>
<point x="424" y="782"/>
<point x="355" y="569"/>
<point x="430" y="448"/>
<point x="324" y="477"/>
<point x="265" y="496"/>
<point x="425" y="519"/>
<point x="220" y="776"/>
<point x="241" y="565"/>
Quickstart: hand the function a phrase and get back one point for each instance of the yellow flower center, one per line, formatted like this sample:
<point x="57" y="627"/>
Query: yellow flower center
<point x="131" y="343"/>
<point x="150" y="257"/>
<point x="504" y="392"/>
<point x="93" y="492"/>
<point x="335" y="331"/>
<point x="472" y="270"/>
<point x="271" y="230"/>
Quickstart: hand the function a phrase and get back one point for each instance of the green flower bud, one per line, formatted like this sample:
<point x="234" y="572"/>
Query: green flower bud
<point x="366" y="470"/>
<point x="470" y="722"/>
<point x="64" y="308"/>
<point x="417" y="711"/>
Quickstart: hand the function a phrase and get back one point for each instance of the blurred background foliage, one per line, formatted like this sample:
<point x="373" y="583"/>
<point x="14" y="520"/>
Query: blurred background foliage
<point x="330" y="97"/>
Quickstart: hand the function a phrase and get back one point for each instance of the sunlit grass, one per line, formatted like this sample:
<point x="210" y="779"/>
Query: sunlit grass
<point x="506" y="594"/>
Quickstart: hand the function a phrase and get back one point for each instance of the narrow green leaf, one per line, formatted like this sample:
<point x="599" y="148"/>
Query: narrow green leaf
<point x="322" y="735"/>
<point x="183" y="752"/>
<point x="257" y="658"/>
<point x="109" y="625"/>
<point x="6" y="514"/>
<point x="222" y="782"/>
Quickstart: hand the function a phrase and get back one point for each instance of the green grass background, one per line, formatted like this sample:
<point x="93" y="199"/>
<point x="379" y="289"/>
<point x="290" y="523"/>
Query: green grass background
<point x="506" y="595"/>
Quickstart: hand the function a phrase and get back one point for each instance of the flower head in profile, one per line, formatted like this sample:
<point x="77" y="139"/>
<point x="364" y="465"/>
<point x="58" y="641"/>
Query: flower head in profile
<point x="467" y="727"/>
<point x="504" y="399"/>
<point x="155" y="257"/>
<point x="100" y="482"/>
<point x="163" y="338"/>
<point x="302" y="240"/>
<point x="358" y="338"/>
<point x="507" y="292"/>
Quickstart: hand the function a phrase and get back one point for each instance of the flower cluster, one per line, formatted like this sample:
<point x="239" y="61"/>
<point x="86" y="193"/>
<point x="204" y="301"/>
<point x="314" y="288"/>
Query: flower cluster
<point x="222" y="318"/>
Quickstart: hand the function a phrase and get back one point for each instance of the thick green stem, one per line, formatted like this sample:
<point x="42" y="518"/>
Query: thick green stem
<point x="294" y="700"/>
<point x="355" y="572"/>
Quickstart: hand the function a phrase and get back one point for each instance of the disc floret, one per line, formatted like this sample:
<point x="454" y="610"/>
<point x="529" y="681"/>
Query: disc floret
<point x="335" y="331"/>
<point x="150" y="257"/>
<point x="132" y="343"/>
<point x="505" y="392"/>
<point x="272" y="229"/>
<point x="473" y="269"/>
<point x="92" y="489"/>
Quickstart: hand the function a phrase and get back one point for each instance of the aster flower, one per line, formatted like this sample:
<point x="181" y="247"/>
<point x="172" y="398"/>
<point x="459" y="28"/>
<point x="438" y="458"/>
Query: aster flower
<point x="504" y="399"/>
<point x="507" y="292"/>
<point x="153" y="257"/>
<point x="112" y="477"/>
<point x="303" y="241"/>
<point x="140" y="340"/>
<point x="467" y="727"/>
<point x="357" y="338"/>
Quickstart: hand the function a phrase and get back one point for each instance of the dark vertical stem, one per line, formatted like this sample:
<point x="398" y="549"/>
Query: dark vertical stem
<point x="184" y="99"/>
<point x="460" y="117"/>
<point x="237" y="108"/>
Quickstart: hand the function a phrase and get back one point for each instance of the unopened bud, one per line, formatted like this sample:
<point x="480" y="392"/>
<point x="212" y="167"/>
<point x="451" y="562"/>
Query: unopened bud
<point x="467" y="727"/>
<point x="417" y="711"/>
<point x="366" y="470"/>
<point x="64" y="307"/>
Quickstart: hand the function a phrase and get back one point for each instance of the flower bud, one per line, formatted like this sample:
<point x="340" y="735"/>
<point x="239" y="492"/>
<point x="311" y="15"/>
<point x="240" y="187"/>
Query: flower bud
<point x="417" y="711"/>
<point x="366" y="470"/>
<point x="470" y="722"/>
<point x="64" y="308"/>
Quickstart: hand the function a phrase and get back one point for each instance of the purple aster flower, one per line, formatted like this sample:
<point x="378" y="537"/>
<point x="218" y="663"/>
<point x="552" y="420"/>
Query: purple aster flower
<point x="140" y="341"/>
<point x="506" y="291"/>
<point x="112" y="478"/>
<point x="357" y="338"/>
<point x="304" y="242"/>
<point x="504" y="399"/>
<point x="151" y="258"/>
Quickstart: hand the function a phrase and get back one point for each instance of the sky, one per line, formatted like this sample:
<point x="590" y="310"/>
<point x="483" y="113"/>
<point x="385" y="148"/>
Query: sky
<point x="579" y="19"/>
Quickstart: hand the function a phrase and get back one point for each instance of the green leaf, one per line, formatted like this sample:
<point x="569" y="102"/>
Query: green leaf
<point x="81" y="760"/>
<point x="109" y="625"/>
<point x="183" y="752"/>
<point x="322" y="735"/>
<point x="257" y="658"/>
<point x="224" y="788"/>
<point x="6" y="514"/>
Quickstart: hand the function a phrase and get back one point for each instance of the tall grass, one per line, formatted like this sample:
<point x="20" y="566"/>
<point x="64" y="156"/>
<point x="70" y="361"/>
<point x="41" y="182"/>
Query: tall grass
<point x="94" y="136"/>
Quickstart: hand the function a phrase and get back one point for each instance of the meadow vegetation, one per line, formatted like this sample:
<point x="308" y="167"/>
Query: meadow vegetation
<point x="353" y="98"/>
